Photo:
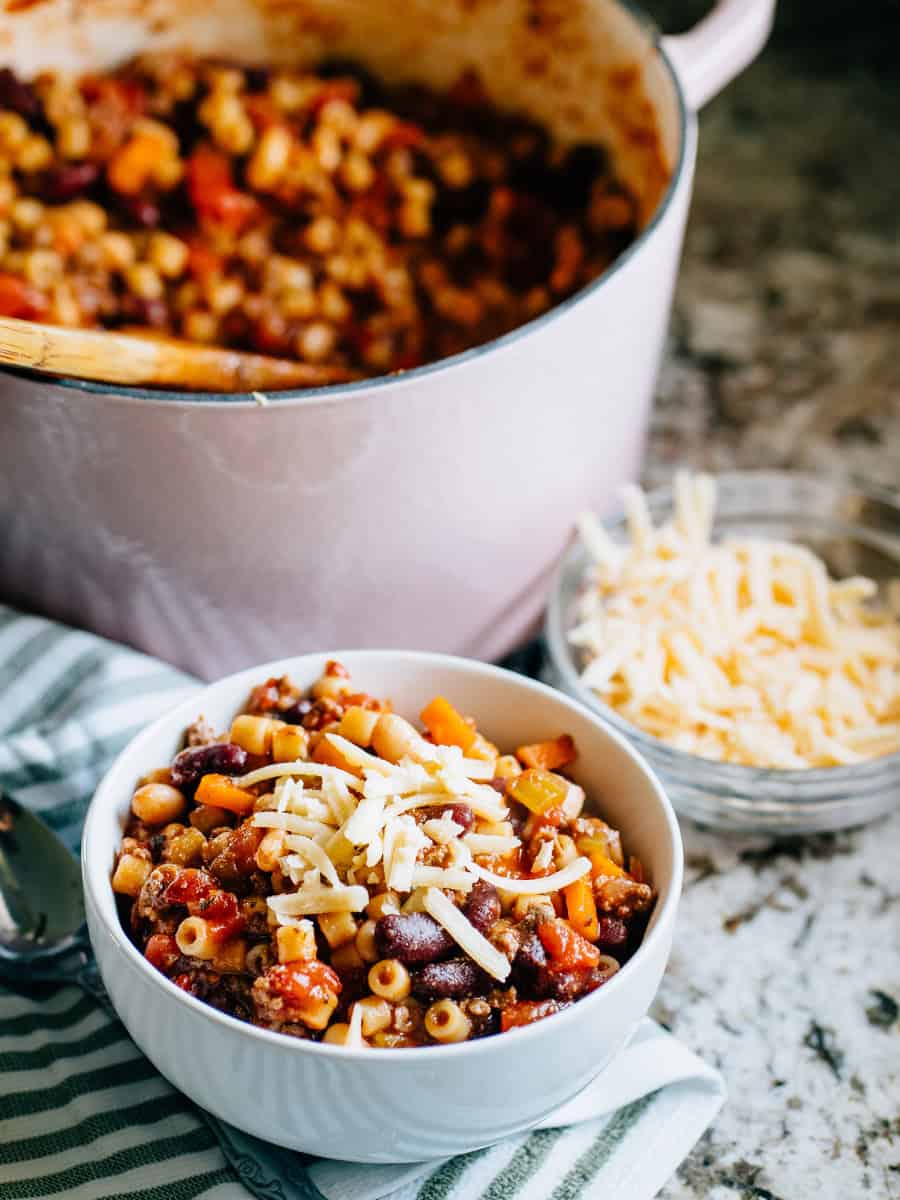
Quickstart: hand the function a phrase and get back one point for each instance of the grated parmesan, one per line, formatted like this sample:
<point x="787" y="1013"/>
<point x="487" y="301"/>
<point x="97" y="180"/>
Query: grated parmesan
<point x="743" y="650"/>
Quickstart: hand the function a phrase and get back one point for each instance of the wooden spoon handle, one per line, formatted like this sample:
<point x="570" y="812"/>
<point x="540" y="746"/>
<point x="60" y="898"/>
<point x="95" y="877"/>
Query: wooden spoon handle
<point x="150" y="361"/>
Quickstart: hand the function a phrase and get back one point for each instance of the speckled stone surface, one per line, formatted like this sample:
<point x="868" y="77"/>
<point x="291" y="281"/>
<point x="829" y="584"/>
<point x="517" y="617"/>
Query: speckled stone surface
<point x="785" y="351"/>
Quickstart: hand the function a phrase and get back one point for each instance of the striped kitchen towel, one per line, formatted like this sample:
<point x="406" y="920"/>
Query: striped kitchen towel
<point x="83" y="1115"/>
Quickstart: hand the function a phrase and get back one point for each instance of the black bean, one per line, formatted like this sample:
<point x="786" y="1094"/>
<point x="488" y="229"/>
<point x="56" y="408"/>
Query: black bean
<point x="18" y="96"/>
<point x="66" y="181"/>
<point x="412" y="937"/>
<point x="612" y="931"/>
<point x="483" y="905"/>
<point x="455" y="978"/>
<point x="223" y="758"/>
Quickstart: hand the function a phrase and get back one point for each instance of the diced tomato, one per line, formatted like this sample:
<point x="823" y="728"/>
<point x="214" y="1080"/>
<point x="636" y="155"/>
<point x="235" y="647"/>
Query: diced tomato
<point x="262" y="111"/>
<point x="302" y="982"/>
<point x="203" y="261"/>
<point x="162" y="951"/>
<point x="525" y="1012"/>
<point x="20" y="299"/>
<point x="212" y="192"/>
<point x="189" y="887"/>
<point x="336" y="670"/>
<point x="404" y="133"/>
<point x="223" y="931"/>
<point x="566" y="947"/>
<point x="185" y="981"/>
<point x="335" y="89"/>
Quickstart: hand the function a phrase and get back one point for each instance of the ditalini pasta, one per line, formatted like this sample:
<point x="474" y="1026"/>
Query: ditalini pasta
<point x="741" y="650"/>
<point x="381" y="886"/>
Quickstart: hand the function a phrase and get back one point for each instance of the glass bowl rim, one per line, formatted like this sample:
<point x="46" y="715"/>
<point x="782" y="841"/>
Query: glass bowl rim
<point x="736" y="777"/>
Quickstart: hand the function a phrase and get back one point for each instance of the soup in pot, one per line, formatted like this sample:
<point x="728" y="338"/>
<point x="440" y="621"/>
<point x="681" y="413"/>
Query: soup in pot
<point x="312" y="214"/>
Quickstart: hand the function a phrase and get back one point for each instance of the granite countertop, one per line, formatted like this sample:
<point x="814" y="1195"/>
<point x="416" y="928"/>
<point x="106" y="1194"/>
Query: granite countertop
<point x="786" y="966"/>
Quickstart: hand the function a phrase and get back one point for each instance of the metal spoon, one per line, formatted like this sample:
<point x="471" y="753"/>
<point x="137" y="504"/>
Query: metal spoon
<point x="43" y="936"/>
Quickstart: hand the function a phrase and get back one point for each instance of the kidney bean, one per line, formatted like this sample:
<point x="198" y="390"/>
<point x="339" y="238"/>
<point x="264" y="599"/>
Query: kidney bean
<point x="612" y="931"/>
<point x="66" y="181"/>
<point x="454" y="978"/>
<point x="412" y="937"/>
<point x="140" y="209"/>
<point x="220" y="758"/>
<point x="460" y="813"/>
<point x="134" y="310"/>
<point x="531" y="956"/>
<point x="18" y="96"/>
<point x="483" y="905"/>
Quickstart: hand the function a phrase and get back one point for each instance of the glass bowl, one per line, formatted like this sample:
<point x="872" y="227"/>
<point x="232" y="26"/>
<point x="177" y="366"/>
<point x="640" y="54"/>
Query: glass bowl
<point x="856" y="530"/>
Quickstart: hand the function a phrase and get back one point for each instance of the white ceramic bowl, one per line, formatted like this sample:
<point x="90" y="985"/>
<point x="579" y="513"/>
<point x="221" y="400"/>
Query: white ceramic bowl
<point x="407" y="1104"/>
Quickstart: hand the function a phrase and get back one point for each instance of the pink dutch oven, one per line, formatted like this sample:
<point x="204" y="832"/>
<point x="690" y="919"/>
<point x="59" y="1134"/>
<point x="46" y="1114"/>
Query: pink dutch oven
<point x="425" y="509"/>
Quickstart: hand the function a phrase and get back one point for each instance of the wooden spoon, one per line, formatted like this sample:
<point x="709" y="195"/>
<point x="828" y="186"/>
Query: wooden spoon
<point x="144" y="359"/>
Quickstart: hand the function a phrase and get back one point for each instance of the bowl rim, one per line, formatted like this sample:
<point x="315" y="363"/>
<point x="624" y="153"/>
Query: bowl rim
<point x="663" y="914"/>
<point x="337" y="392"/>
<point x="741" y="777"/>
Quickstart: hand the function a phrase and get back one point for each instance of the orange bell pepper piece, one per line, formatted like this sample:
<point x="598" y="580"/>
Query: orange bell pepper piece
<point x="549" y="755"/>
<point x="220" y="792"/>
<point x="581" y="909"/>
<point x="601" y="865"/>
<point x="447" y="726"/>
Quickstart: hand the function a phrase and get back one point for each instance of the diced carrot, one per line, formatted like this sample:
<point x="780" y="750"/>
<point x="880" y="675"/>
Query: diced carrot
<point x="549" y="755"/>
<point x="581" y="909"/>
<point x="525" y="1012"/>
<point x="566" y="946"/>
<point x="220" y="792"/>
<point x="601" y="865"/>
<point x="447" y="726"/>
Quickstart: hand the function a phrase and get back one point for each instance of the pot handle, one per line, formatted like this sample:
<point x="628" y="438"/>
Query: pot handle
<point x="719" y="47"/>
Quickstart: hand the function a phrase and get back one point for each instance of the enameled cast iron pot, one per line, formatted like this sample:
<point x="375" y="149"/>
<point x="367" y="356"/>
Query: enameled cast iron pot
<point x="423" y="510"/>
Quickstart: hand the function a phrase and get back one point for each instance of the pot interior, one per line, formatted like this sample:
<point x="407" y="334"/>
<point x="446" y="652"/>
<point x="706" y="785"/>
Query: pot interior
<point x="587" y="70"/>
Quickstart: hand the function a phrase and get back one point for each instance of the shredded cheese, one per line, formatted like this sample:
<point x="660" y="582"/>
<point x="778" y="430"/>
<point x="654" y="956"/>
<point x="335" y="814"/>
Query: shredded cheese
<point x="534" y="887"/>
<point x="489" y="843"/>
<point x="300" y="767"/>
<point x="466" y="936"/>
<point x="742" y="650"/>
<point x="310" y="900"/>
